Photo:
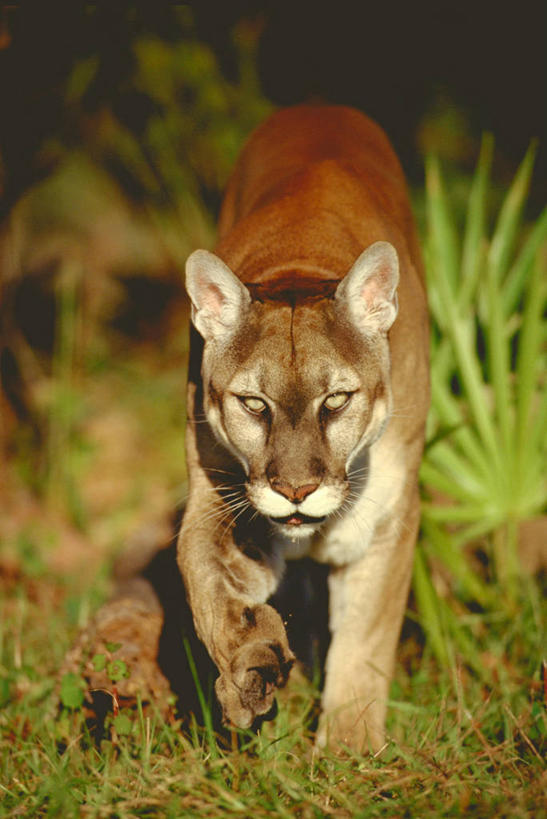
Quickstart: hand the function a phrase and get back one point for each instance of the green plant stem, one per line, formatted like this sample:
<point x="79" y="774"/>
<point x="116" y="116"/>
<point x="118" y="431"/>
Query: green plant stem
<point x="505" y="552"/>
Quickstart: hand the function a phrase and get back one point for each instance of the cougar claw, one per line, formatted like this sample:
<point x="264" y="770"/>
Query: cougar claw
<point x="247" y="690"/>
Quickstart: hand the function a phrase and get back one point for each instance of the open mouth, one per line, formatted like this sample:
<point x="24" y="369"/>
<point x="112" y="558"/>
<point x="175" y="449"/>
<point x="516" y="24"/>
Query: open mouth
<point x="296" y="519"/>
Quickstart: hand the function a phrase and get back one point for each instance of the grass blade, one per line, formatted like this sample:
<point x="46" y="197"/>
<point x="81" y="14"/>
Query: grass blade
<point x="441" y="223"/>
<point x="499" y="361"/>
<point x="204" y="705"/>
<point x="508" y="222"/>
<point x="517" y="276"/>
<point x="531" y="340"/>
<point x="428" y="606"/>
<point x="472" y="251"/>
<point x="442" y="545"/>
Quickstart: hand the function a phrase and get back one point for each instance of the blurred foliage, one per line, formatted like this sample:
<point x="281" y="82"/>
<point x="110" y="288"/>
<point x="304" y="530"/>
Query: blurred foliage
<point x="487" y="296"/>
<point x="131" y="84"/>
<point x="175" y="125"/>
<point x="117" y="182"/>
<point x="483" y="473"/>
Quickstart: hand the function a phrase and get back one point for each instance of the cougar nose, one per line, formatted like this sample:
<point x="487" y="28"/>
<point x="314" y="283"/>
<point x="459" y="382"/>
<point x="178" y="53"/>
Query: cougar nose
<point x="294" y="494"/>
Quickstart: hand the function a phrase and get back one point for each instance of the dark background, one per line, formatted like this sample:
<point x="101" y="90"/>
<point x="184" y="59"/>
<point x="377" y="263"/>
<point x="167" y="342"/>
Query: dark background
<point x="394" y="60"/>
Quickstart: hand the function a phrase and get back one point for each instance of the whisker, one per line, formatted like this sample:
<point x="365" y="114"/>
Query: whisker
<point x="403" y="408"/>
<point x="254" y="516"/>
<point x="244" y="506"/>
<point x="221" y="489"/>
<point x="230" y="473"/>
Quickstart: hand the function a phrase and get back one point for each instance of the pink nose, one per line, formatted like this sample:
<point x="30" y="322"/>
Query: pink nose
<point x="294" y="494"/>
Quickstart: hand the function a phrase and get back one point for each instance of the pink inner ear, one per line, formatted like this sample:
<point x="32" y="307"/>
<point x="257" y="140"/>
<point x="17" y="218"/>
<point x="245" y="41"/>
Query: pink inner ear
<point x="212" y="299"/>
<point x="377" y="287"/>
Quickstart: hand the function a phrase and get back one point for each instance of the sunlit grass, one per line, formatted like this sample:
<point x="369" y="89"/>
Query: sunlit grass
<point x="455" y="745"/>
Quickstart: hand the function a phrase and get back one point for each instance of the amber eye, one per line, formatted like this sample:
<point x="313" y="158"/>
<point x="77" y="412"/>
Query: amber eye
<point x="336" y="401"/>
<point x="255" y="405"/>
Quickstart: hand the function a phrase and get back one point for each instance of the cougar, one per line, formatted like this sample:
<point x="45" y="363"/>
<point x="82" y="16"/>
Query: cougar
<point x="307" y="398"/>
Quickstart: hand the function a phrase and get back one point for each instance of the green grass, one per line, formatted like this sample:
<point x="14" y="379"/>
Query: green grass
<point x="467" y="724"/>
<point x="459" y="742"/>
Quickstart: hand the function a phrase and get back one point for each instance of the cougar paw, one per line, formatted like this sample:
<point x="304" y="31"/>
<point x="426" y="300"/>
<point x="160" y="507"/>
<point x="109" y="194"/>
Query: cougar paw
<point x="247" y="690"/>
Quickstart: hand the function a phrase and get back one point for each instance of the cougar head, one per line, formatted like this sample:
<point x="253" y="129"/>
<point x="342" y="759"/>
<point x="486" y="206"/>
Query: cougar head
<point x="296" y="389"/>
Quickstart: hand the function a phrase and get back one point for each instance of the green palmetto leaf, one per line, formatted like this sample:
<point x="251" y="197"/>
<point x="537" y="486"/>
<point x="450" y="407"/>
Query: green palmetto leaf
<point x="462" y="513"/>
<point x="473" y="243"/>
<point x="536" y="444"/>
<point x="507" y="225"/>
<point x="531" y="341"/>
<point x="499" y="364"/>
<point x="501" y="247"/>
<point x="442" y="225"/>
<point x="449" y="482"/>
<point x="518" y="274"/>
<point x="464" y="441"/>
<point x="485" y="461"/>
<point x="463" y="339"/>
<point x="458" y="328"/>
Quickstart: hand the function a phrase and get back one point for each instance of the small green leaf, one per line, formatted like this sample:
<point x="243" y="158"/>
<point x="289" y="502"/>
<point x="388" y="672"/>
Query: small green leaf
<point x="99" y="662"/>
<point x="117" y="670"/>
<point x="113" y="647"/>
<point x="537" y="711"/>
<point x="122" y="724"/>
<point x="72" y="690"/>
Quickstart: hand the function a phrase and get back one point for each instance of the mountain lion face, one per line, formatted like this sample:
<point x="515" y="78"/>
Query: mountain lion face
<point x="295" y="392"/>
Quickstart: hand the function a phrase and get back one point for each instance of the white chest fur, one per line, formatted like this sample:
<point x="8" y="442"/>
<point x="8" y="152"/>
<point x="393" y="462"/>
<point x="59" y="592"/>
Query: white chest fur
<point x="346" y="537"/>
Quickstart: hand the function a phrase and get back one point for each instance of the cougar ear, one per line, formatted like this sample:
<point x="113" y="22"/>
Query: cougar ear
<point x="218" y="297"/>
<point x="368" y="291"/>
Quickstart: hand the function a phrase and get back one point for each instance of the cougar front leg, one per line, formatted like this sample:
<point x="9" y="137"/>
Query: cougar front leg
<point x="367" y="603"/>
<point x="245" y="638"/>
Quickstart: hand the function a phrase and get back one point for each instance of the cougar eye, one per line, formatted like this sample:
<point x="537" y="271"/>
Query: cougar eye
<point x="336" y="401"/>
<point x="255" y="405"/>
